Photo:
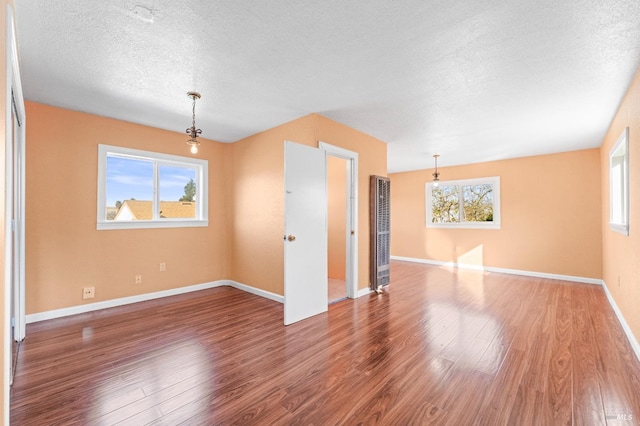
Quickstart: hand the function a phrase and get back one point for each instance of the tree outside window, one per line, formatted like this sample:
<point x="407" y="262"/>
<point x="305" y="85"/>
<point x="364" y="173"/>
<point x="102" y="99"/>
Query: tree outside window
<point x="469" y="203"/>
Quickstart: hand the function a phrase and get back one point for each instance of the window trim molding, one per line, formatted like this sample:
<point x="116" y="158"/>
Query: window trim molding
<point x="495" y="224"/>
<point x="620" y="227"/>
<point x="202" y="206"/>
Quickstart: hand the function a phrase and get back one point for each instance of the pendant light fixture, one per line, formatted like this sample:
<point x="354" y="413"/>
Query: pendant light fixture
<point x="436" y="175"/>
<point x="193" y="133"/>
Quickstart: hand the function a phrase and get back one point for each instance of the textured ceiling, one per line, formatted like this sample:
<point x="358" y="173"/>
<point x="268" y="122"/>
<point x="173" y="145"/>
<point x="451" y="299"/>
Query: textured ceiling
<point x="472" y="80"/>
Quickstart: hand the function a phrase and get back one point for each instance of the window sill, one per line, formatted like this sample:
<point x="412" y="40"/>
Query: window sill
<point x="619" y="228"/>
<point x="141" y="224"/>
<point x="464" y="225"/>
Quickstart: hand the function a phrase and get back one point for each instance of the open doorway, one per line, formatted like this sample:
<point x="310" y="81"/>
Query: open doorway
<point x="337" y="227"/>
<point x="342" y="217"/>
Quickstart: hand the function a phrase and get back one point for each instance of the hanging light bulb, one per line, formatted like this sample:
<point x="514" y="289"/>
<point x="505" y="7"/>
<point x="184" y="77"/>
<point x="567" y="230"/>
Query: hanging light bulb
<point x="436" y="175"/>
<point x="192" y="131"/>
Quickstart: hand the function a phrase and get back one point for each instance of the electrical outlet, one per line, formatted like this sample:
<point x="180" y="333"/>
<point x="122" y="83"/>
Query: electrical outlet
<point x="88" y="292"/>
<point x="138" y="279"/>
<point x="163" y="267"/>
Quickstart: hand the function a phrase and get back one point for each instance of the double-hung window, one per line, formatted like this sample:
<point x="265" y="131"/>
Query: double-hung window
<point x="469" y="203"/>
<point x="142" y="189"/>
<point x="619" y="184"/>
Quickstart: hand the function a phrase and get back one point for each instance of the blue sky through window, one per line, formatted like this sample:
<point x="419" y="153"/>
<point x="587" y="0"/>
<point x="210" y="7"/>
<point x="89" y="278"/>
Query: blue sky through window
<point x="173" y="180"/>
<point x="129" y="178"/>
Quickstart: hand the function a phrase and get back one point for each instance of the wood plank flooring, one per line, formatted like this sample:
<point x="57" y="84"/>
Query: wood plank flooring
<point x="440" y="347"/>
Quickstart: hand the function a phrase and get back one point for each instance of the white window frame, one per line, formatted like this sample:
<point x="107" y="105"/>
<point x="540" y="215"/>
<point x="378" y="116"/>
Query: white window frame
<point x="619" y="183"/>
<point x="202" y="179"/>
<point x="495" y="224"/>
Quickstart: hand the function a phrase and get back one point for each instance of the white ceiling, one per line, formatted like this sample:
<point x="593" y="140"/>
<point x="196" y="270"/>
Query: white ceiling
<point x="472" y="80"/>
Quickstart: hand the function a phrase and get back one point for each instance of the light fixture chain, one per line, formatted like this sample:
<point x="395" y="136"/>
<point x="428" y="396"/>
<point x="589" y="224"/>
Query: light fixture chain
<point x="193" y="121"/>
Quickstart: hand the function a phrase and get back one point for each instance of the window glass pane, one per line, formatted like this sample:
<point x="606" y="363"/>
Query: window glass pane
<point x="478" y="203"/>
<point x="177" y="192"/>
<point x="129" y="189"/>
<point x="617" y="191"/>
<point x="465" y="203"/>
<point x="445" y="204"/>
<point x="141" y="189"/>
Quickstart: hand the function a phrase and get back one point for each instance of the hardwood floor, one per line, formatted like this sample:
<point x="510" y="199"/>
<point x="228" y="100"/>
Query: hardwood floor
<point x="440" y="346"/>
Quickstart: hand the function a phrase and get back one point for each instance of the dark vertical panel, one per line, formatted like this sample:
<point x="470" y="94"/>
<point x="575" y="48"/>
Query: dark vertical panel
<point x="379" y="196"/>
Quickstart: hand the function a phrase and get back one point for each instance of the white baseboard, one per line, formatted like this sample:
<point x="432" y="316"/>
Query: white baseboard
<point x="623" y="322"/>
<point x="363" y="292"/>
<point x="501" y="270"/>
<point x="258" y="292"/>
<point x="90" y="307"/>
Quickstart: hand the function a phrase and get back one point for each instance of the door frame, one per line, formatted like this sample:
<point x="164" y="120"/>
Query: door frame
<point x="351" y="230"/>
<point x="14" y="102"/>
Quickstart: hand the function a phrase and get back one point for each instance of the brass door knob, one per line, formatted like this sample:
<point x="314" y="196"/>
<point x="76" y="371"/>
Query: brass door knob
<point x="291" y="238"/>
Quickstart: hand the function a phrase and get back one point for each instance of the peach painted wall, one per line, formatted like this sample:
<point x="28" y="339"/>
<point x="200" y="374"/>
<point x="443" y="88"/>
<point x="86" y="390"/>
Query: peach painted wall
<point x="257" y="204"/>
<point x="65" y="252"/>
<point x="621" y="254"/>
<point x="336" y="217"/>
<point x="258" y="196"/>
<point x="551" y="219"/>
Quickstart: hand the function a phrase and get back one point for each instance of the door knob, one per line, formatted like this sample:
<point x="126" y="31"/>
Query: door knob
<point x="291" y="238"/>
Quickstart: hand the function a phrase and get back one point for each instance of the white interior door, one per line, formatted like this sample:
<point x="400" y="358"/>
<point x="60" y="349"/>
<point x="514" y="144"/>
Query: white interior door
<point x="305" y="240"/>
<point x="13" y="308"/>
